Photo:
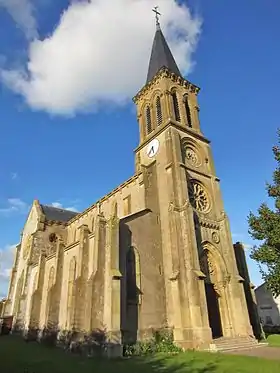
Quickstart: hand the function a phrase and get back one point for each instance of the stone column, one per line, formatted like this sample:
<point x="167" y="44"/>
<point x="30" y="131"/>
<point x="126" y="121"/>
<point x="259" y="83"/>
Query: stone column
<point x="112" y="296"/>
<point x="56" y="291"/>
<point x="94" y="305"/>
<point x="81" y="282"/>
<point x="248" y="289"/>
<point x="189" y="313"/>
<point x="37" y="295"/>
<point x="236" y="300"/>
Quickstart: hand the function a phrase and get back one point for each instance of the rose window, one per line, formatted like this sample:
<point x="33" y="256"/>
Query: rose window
<point x="198" y="197"/>
<point x="191" y="157"/>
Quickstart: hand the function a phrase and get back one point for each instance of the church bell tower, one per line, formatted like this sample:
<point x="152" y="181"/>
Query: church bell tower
<point x="204" y="293"/>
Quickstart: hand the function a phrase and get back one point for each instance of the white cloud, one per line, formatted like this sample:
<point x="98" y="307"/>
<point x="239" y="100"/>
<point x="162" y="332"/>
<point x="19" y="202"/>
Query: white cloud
<point x="14" y="205"/>
<point x="60" y="206"/>
<point x="98" y="53"/>
<point x="6" y="262"/>
<point x="22" y="11"/>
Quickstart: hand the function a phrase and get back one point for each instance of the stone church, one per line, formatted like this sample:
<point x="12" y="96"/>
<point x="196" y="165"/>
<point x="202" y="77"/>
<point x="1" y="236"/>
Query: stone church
<point x="154" y="253"/>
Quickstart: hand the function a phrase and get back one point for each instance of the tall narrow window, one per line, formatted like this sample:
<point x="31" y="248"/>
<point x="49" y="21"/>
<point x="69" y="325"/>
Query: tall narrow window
<point x="127" y="205"/>
<point x="158" y="111"/>
<point x="148" y="120"/>
<point x="176" y="107"/>
<point x="188" y="111"/>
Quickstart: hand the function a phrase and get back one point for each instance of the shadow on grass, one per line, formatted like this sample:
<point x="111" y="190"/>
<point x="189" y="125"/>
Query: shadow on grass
<point x="17" y="356"/>
<point x="175" y="364"/>
<point x="158" y="364"/>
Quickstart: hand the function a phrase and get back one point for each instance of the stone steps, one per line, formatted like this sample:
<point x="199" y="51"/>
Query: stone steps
<point x="234" y="344"/>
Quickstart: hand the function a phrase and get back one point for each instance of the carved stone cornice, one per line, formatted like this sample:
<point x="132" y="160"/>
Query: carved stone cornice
<point x="166" y="73"/>
<point x="84" y="227"/>
<point x="193" y="168"/>
<point x="97" y="205"/>
<point x="175" y="208"/>
<point x="50" y="256"/>
<point x="55" y="222"/>
<point x="207" y="223"/>
<point x="66" y="248"/>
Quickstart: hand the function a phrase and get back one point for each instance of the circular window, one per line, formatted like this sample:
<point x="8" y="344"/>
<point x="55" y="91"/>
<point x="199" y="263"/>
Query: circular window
<point x="198" y="196"/>
<point x="52" y="237"/>
<point x="192" y="157"/>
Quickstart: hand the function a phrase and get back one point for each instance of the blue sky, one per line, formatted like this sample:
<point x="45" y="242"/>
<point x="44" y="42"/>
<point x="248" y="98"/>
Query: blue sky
<point x="72" y="148"/>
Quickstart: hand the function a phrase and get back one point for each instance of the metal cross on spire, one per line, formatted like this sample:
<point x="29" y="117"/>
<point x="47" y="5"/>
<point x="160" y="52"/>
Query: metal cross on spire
<point x="157" y="15"/>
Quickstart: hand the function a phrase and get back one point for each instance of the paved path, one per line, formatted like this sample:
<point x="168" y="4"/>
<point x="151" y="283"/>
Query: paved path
<point x="272" y="353"/>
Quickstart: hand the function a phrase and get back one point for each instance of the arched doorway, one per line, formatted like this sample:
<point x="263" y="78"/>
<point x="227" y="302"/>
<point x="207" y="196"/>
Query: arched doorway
<point x="210" y="269"/>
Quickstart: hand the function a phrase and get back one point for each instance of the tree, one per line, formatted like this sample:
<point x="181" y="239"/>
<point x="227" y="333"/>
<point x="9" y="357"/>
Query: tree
<point x="265" y="226"/>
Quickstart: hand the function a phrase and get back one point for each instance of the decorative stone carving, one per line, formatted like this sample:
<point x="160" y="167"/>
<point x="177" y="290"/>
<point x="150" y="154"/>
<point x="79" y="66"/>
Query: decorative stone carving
<point x="172" y="207"/>
<point x="165" y="73"/>
<point x="207" y="223"/>
<point x="192" y="157"/>
<point x="215" y="237"/>
<point x="51" y="247"/>
<point x="198" y="196"/>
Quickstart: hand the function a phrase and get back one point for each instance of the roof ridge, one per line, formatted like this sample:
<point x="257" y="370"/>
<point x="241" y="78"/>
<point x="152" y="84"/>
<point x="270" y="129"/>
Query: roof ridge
<point x="59" y="208"/>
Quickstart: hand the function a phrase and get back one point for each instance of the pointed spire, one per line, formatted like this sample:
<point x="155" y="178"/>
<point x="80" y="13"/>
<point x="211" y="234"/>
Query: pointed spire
<point x="161" y="55"/>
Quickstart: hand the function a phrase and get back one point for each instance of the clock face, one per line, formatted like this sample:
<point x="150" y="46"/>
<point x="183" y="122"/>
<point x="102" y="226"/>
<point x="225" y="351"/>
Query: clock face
<point x="152" y="148"/>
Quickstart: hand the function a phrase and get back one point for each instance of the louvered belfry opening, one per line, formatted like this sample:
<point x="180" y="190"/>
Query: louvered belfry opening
<point x="188" y="111"/>
<point x="158" y="111"/>
<point x="148" y="120"/>
<point x="176" y="107"/>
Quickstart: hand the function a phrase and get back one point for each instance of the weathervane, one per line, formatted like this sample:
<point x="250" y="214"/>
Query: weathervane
<point x="157" y="15"/>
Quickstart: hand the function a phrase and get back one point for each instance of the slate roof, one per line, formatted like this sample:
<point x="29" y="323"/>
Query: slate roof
<point x="161" y="56"/>
<point x="57" y="214"/>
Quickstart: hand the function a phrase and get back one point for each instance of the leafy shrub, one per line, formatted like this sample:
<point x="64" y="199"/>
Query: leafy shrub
<point x="162" y="341"/>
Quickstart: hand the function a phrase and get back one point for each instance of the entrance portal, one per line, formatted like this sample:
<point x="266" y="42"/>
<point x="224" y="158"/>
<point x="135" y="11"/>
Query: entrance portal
<point x="214" y="315"/>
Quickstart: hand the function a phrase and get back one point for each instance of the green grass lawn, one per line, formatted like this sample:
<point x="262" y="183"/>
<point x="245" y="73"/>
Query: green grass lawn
<point x="274" y="340"/>
<point x="17" y="356"/>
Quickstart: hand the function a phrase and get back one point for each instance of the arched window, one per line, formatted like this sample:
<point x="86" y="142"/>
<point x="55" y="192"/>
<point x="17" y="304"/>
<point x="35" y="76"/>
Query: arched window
<point x="188" y="111"/>
<point x="148" y="120"/>
<point x="158" y="111"/>
<point x="176" y="106"/>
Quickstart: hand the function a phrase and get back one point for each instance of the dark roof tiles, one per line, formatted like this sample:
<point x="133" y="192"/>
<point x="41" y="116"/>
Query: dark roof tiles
<point x="161" y="56"/>
<point x="57" y="214"/>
